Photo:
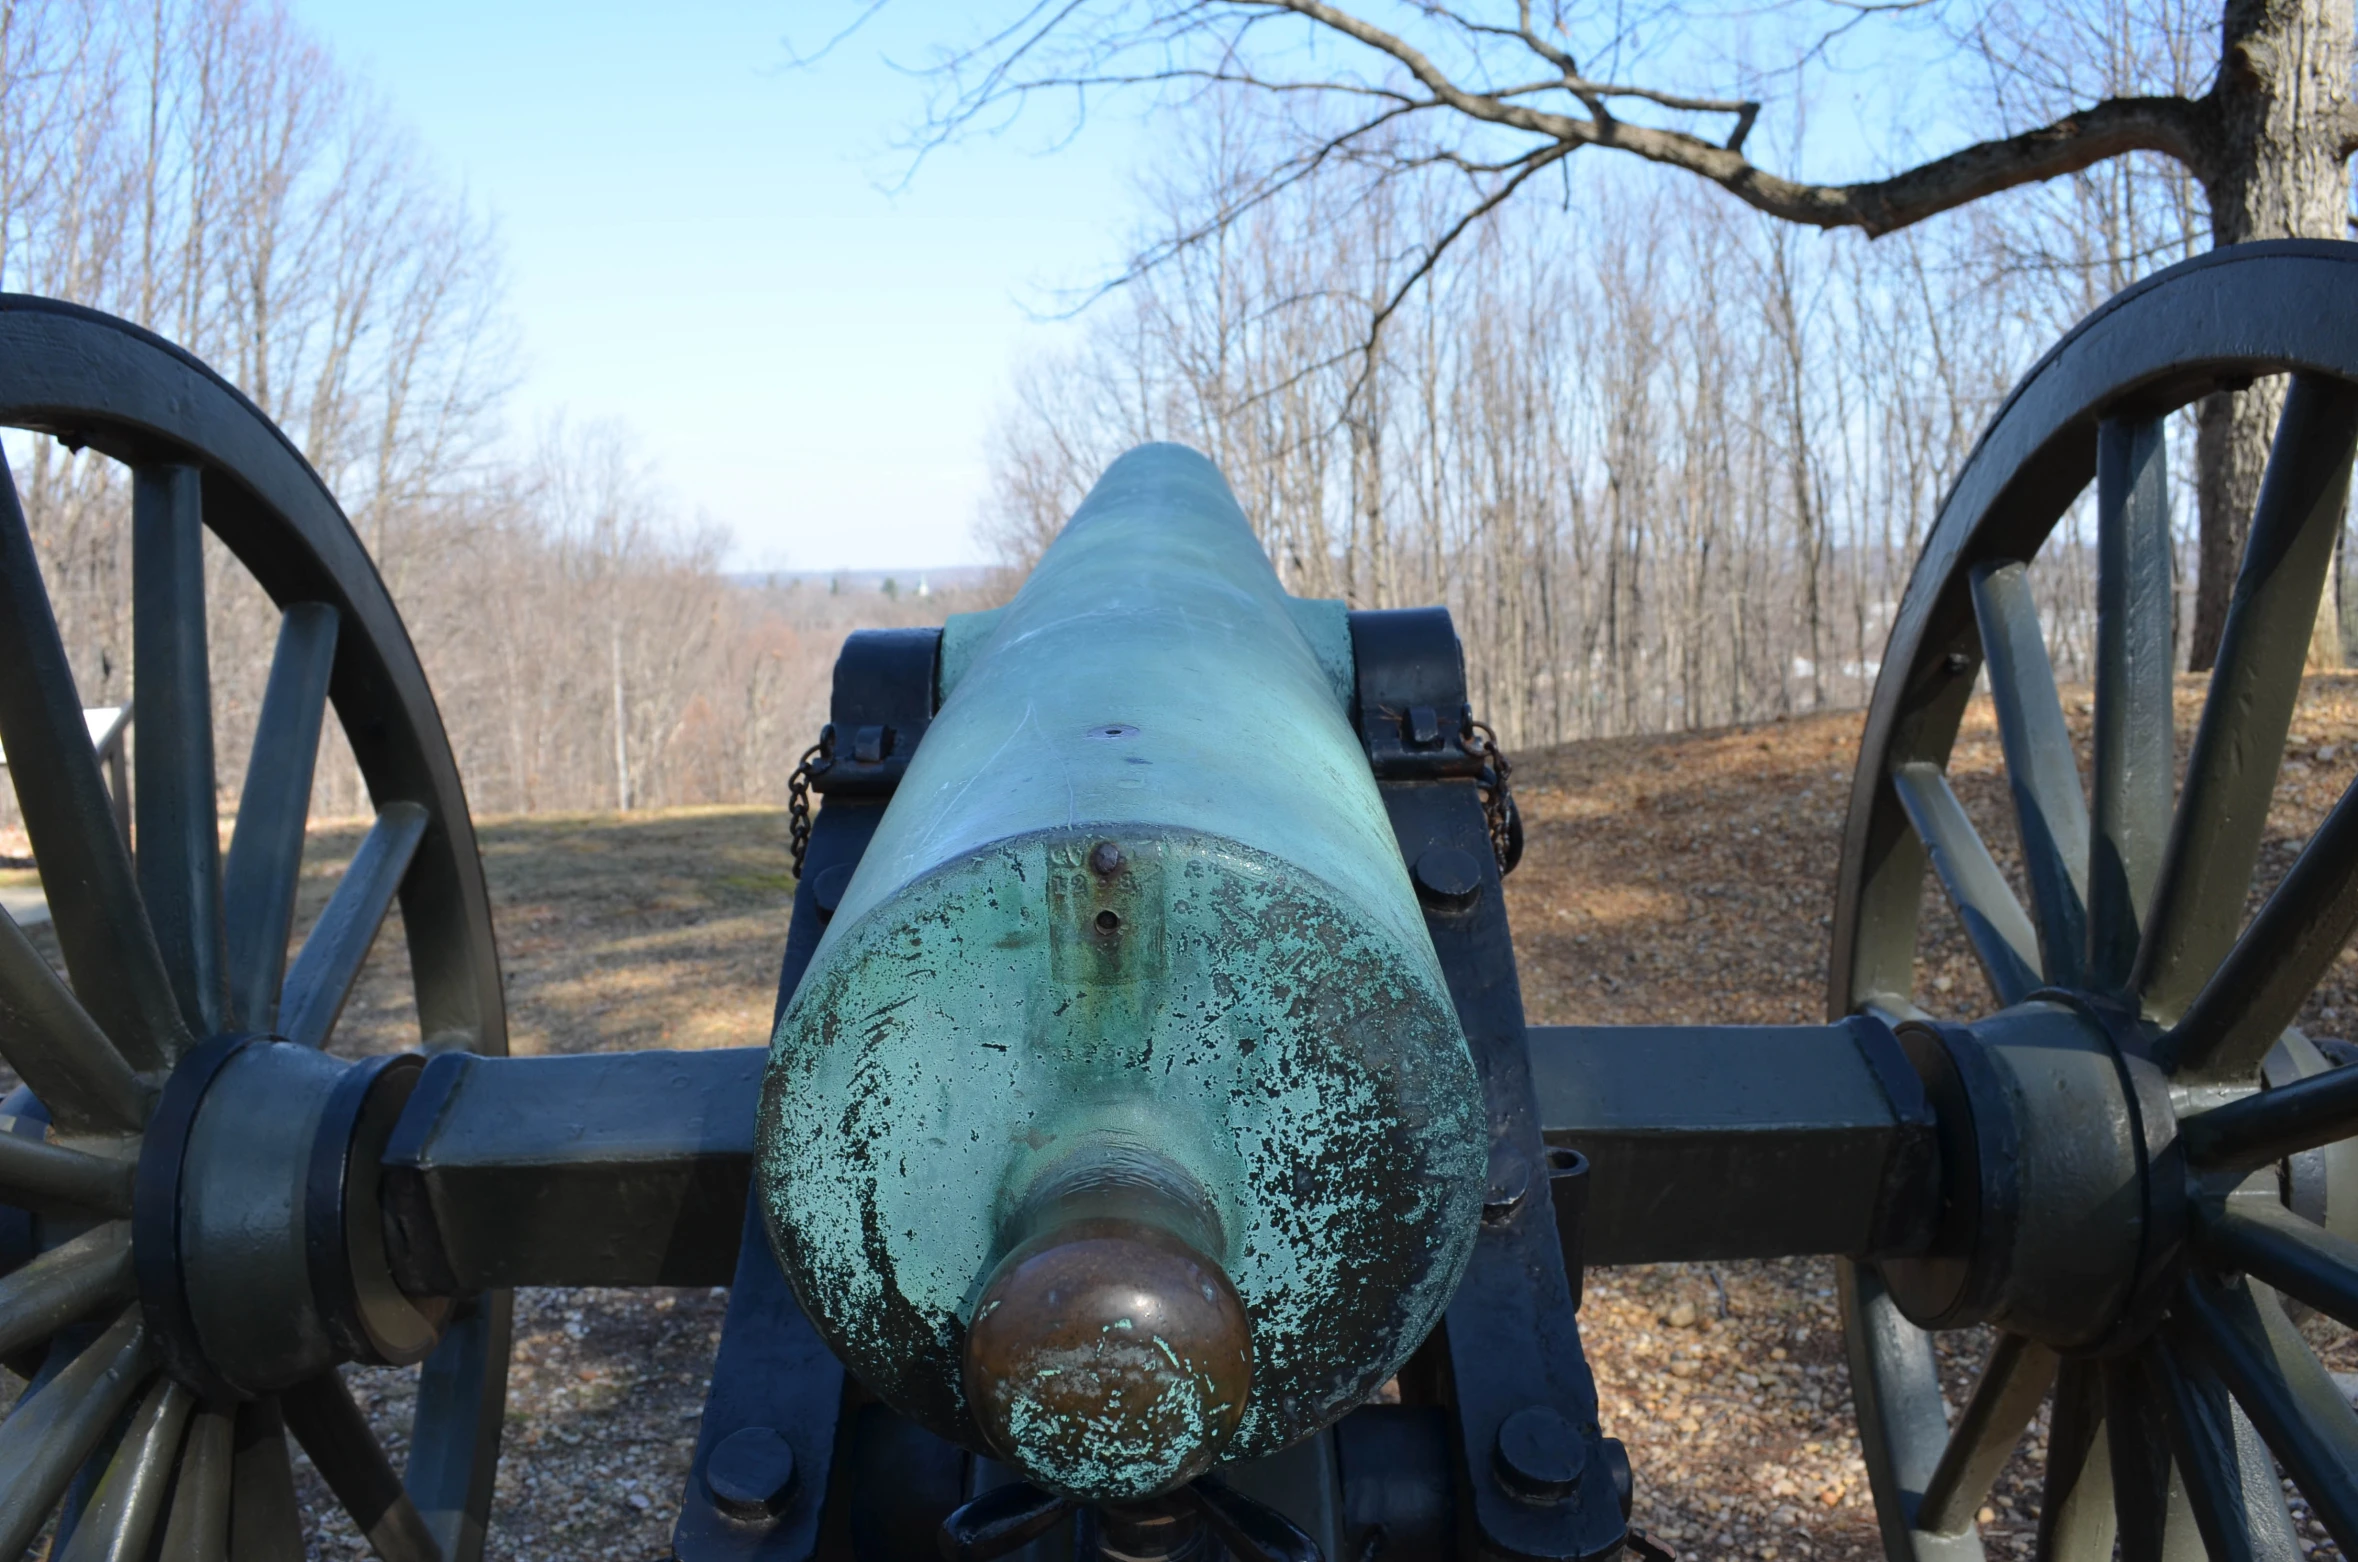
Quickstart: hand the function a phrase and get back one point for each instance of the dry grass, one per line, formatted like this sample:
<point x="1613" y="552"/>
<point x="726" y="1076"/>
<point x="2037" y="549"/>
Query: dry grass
<point x="1672" y="879"/>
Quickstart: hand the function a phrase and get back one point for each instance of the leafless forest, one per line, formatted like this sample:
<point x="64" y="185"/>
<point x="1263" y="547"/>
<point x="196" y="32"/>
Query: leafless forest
<point x="200" y="167"/>
<point x="1668" y="461"/>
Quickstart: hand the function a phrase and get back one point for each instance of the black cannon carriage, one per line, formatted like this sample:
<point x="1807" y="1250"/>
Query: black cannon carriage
<point x="1152" y="1081"/>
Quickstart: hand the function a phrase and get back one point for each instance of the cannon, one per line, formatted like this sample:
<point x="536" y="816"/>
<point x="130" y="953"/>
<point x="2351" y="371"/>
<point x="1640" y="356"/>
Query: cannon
<point x="1150" y="1082"/>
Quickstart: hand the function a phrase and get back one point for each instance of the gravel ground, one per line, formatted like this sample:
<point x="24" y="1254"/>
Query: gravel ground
<point x="1674" y="879"/>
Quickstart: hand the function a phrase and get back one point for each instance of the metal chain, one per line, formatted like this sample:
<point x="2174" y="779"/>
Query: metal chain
<point x="1498" y="797"/>
<point x="798" y="793"/>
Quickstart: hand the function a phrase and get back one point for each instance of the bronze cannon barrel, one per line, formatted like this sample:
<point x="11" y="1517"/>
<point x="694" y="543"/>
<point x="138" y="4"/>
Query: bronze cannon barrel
<point x="1122" y="1123"/>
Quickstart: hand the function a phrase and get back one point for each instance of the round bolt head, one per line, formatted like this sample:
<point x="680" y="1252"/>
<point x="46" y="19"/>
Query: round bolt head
<point x="1539" y="1454"/>
<point x="751" y="1475"/>
<point x="827" y="889"/>
<point x="1447" y="876"/>
<point x="1106" y="860"/>
<point x="1510" y="1179"/>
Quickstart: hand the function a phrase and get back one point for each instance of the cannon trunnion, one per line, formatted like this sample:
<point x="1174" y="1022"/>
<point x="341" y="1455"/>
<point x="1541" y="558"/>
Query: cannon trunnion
<point x="1164" y="1168"/>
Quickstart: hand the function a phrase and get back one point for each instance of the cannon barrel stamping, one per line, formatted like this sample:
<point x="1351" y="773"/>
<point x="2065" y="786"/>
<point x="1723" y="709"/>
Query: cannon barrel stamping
<point x="1122" y="1121"/>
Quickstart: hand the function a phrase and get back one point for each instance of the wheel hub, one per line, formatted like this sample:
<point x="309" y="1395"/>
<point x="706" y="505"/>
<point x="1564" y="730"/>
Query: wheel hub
<point x="2064" y="1215"/>
<point x="261" y="1256"/>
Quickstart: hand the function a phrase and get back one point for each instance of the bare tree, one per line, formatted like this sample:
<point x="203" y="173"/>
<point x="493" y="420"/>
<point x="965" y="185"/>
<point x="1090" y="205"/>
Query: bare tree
<point x="1667" y="471"/>
<point x="1481" y="98"/>
<point x="204" y="168"/>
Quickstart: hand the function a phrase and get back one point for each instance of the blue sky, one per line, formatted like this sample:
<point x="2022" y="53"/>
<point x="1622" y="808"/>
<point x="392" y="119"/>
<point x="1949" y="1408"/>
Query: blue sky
<point x="726" y="254"/>
<point x="701" y="245"/>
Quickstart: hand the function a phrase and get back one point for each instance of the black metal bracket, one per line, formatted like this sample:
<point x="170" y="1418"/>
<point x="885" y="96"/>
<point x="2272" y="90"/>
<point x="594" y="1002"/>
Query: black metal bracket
<point x="1538" y="1479"/>
<point x="1412" y="711"/>
<point x="883" y="703"/>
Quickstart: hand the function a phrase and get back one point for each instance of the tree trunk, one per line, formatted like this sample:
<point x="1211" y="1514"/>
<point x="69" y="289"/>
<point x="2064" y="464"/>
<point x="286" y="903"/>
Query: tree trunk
<point x="2276" y="172"/>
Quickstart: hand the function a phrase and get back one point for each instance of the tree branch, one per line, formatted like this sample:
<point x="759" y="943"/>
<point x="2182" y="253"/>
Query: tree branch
<point x="2172" y="126"/>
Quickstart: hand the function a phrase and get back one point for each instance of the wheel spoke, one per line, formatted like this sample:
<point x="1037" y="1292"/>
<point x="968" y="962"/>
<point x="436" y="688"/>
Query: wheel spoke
<point x="65" y="1285"/>
<point x="57" y="1049"/>
<point x="336" y="1435"/>
<point x="266" y="848"/>
<point x="265" y="1522"/>
<point x="198" y="1530"/>
<point x="2289" y="1396"/>
<point x="2269" y="1242"/>
<point x="2269" y="1125"/>
<point x="54" y="1428"/>
<point x="2149" y="1501"/>
<point x="47" y="1177"/>
<point x="179" y="826"/>
<point x="2231" y="774"/>
<point x="1994" y="922"/>
<point x="337" y="947"/>
<point x="1903" y="1426"/>
<point x="2075" y="1508"/>
<point x="2134" y="737"/>
<point x="2276" y="964"/>
<point x="2229" y="1477"/>
<point x="122" y="1515"/>
<point x="94" y="902"/>
<point x="462" y="1398"/>
<point x="2012" y="1384"/>
<point x="2050" y="810"/>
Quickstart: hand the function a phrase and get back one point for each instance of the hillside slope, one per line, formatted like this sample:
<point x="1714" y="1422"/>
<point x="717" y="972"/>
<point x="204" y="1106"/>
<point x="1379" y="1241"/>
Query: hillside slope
<point x="1685" y="878"/>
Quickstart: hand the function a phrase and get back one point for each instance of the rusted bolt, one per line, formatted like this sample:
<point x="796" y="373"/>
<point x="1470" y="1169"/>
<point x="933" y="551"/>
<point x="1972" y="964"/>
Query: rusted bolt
<point x="1106" y="860"/>
<point x="751" y="1476"/>
<point x="1538" y="1456"/>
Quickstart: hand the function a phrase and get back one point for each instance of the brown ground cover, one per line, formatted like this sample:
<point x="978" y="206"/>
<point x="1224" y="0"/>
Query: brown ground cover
<point x="1672" y="879"/>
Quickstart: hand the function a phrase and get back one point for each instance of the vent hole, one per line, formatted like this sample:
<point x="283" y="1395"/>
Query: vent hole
<point x="1109" y="922"/>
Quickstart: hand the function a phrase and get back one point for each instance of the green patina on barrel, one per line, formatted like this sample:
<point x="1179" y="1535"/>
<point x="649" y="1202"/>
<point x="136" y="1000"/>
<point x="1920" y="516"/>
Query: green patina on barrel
<point x="1136" y="904"/>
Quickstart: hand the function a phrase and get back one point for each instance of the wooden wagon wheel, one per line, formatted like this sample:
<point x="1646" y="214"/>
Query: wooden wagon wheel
<point x="2113" y="1165"/>
<point x="186" y="1304"/>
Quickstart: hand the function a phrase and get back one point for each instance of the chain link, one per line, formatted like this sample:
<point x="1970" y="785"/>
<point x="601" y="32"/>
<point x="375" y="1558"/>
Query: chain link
<point x="1498" y="798"/>
<point x="798" y="794"/>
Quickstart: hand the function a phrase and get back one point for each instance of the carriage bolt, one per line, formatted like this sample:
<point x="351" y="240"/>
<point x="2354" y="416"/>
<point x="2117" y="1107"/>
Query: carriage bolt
<point x="751" y="1475"/>
<point x="828" y="887"/>
<point x="1106" y="860"/>
<point x="1539" y="1455"/>
<point x="1448" y="877"/>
